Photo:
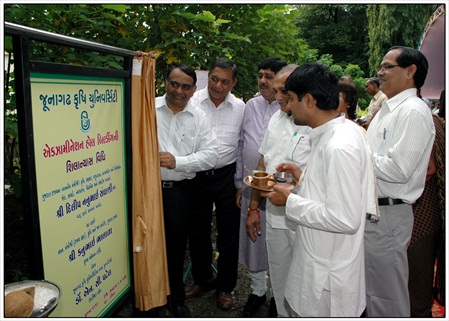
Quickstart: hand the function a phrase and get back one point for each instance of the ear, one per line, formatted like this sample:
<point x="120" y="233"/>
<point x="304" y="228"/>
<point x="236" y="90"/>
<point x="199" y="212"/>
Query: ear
<point x="309" y="100"/>
<point x="234" y="82"/>
<point x="411" y="70"/>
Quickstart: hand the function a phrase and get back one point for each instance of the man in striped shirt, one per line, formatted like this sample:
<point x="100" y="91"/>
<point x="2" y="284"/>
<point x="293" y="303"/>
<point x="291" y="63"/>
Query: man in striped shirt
<point x="401" y="137"/>
<point x="216" y="186"/>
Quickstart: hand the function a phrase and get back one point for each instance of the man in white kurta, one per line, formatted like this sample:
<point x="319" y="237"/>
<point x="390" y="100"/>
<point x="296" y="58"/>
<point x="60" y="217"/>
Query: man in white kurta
<point x="329" y="210"/>
<point x="327" y="275"/>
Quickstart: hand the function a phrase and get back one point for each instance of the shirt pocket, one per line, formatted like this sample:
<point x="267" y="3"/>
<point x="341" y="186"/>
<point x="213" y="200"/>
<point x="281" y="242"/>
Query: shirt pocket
<point x="186" y="143"/>
<point x="229" y="135"/>
<point x="298" y="149"/>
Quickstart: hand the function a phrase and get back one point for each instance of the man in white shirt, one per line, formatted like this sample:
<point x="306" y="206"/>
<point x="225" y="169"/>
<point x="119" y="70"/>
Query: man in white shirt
<point x="216" y="186"/>
<point x="283" y="142"/>
<point x="372" y="88"/>
<point x="401" y="139"/>
<point x="187" y="144"/>
<point x="327" y="276"/>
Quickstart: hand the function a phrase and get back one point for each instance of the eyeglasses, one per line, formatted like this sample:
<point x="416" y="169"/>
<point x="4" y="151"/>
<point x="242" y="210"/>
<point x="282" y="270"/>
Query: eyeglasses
<point x="175" y="85"/>
<point x="387" y="67"/>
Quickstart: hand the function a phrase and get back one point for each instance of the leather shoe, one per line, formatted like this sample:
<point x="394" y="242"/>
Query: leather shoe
<point x="180" y="311"/>
<point x="196" y="290"/>
<point x="224" y="300"/>
<point x="252" y="305"/>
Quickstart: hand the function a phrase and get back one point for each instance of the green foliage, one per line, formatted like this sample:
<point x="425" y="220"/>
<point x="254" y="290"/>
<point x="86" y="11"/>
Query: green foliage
<point x="326" y="60"/>
<point x="337" y="29"/>
<point x="359" y="80"/>
<point x="343" y="37"/>
<point x="362" y="112"/>
<point x="89" y="22"/>
<point x="11" y="131"/>
<point x="271" y="33"/>
<point x="198" y="34"/>
<point x="352" y="71"/>
<point x="394" y="25"/>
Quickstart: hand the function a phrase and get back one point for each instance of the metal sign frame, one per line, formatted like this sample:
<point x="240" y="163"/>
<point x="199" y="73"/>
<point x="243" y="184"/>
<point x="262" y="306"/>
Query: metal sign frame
<point x="21" y="36"/>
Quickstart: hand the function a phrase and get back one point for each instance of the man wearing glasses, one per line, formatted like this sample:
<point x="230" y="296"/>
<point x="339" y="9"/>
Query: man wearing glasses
<point x="401" y="137"/>
<point x="187" y="144"/>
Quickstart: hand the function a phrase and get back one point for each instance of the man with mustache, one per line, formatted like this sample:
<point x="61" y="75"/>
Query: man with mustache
<point x="401" y="137"/>
<point x="258" y="111"/>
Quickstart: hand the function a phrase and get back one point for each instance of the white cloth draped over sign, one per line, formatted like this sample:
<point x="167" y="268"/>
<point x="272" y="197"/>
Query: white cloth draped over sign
<point x="151" y="284"/>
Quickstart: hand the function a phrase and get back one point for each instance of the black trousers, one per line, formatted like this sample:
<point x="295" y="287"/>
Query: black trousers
<point x="177" y="201"/>
<point x="216" y="186"/>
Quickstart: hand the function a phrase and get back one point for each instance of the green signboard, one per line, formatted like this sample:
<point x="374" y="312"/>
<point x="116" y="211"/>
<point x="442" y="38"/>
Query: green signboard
<point x="80" y="159"/>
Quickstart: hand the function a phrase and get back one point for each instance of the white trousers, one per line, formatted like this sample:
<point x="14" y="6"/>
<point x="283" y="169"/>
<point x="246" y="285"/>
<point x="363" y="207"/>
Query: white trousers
<point x="259" y="279"/>
<point x="279" y="247"/>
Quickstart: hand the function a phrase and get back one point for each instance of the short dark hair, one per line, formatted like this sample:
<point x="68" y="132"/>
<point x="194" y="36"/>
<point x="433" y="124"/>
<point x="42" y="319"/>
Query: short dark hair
<point x="273" y="63"/>
<point x="351" y="97"/>
<point x="410" y="56"/>
<point x="227" y="64"/>
<point x="374" y="80"/>
<point x="185" y="69"/>
<point x="318" y="81"/>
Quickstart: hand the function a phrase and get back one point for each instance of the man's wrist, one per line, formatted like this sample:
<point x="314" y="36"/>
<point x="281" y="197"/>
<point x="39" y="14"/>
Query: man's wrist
<point x="253" y="212"/>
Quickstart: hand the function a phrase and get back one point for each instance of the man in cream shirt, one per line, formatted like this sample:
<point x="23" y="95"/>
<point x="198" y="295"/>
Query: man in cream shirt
<point x="372" y="88"/>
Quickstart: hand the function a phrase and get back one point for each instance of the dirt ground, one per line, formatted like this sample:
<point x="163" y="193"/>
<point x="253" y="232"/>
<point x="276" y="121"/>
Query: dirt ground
<point x="205" y="306"/>
<point x="16" y="269"/>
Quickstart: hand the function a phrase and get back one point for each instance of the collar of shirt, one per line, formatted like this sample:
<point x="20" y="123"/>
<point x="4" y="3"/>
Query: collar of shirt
<point x="282" y="114"/>
<point x="273" y="103"/>
<point x="377" y="95"/>
<point x="395" y="101"/>
<point x="318" y="131"/>
<point x="203" y="94"/>
<point x="162" y="102"/>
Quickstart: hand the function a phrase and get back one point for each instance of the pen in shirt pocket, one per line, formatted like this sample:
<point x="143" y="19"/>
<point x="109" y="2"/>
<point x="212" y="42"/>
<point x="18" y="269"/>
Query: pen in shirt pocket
<point x="385" y="133"/>
<point x="296" y="133"/>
